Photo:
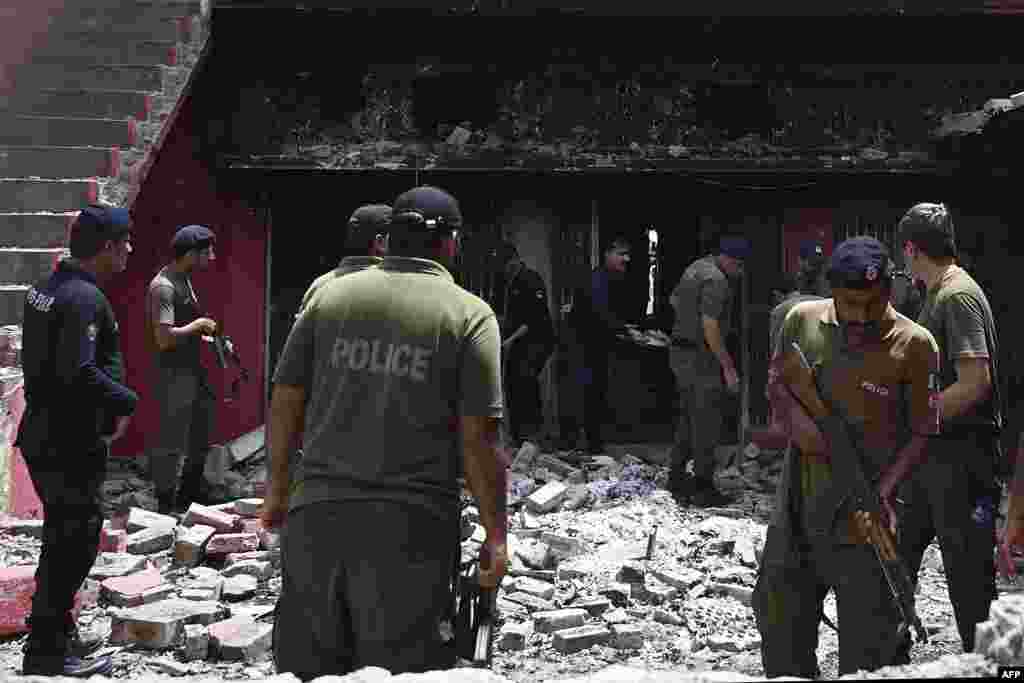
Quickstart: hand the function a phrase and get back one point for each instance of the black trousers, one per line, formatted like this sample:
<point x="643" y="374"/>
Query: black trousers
<point x="595" y="395"/>
<point x="954" y="496"/>
<point x="69" y="484"/>
<point x="355" y="594"/>
<point x="525" y="363"/>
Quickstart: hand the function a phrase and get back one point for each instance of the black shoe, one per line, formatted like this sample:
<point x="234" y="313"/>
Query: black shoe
<point x="73" y="667"/>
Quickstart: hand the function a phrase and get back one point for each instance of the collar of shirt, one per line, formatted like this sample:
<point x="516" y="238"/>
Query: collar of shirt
<point x="409" y="264"/>
<point x="360" y="261"/>
<point x="828" y="315"/>
<point x="73" y="268"/>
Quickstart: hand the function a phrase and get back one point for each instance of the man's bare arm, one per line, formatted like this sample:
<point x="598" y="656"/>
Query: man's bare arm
<point x="973" y="385"/>
<point x="287" y="414"/>
<point x="713" y="337"/>
<point x="486" y="475"/>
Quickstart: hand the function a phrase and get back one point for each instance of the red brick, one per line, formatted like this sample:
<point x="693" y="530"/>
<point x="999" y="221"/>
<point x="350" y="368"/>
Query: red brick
<point x="201" y="514"/>
<point x="113" y="540"/>
<point x="17" y="584"/>
<point x="128" y="591"/>
<point x="224" y="544"/>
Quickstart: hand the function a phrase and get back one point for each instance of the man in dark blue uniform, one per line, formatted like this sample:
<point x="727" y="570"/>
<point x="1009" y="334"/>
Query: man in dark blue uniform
<point x="527" y="342"/>
<point x="76" y="405"/>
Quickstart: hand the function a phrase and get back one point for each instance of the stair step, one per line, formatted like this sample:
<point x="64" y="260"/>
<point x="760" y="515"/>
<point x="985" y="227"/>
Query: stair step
<point x="71" y="74"/>
<point x="106" y="104"/>
<point x="59" y="162"/>
<point x="94" y="48"/>
<point x="35" y="229"/>
<point x="12" y="304"/>
<point x="67" y="132"/>
<point x="127" y="28"/>
<point x="27" y="266"/>
<point x="20" y="194"/>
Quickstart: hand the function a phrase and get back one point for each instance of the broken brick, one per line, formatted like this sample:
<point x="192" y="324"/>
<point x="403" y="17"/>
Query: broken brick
<point x="241" y="639"/>
<point x="225" y="544"/>
<point x="23" y="527"/>
<point x="207" y="516"/>
<point x="139" y="519"/>
<point x="109" y="565"/>
<point x="513" y="637"/>
<point x="113" y="540"/>
<point x="557" y="620"/>
<point x="161" y="624"/>
<point x="261" y="571"/>
<point x="197" y="642"/>
<point x="241" y="587"/>
<point x="627" y="636"/>
<point x="135" y="589"/>
<point x="17" y="585"/>
<point x="572" y="640"/>
<point x="249" y="507"/>
<point x="152" y="540"/>
<point x="547" y="497"/>
<point x="190" y="542"/>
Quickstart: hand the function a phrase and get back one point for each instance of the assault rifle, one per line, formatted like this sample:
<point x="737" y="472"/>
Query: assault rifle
<point x="474" y="610"/>
<point x="224" y="347"/>
<point x="848" y="466"/>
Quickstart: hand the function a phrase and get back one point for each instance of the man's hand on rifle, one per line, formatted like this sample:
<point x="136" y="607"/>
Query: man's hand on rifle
<point x="875" y="532"/>
<point x="493" y="563"/>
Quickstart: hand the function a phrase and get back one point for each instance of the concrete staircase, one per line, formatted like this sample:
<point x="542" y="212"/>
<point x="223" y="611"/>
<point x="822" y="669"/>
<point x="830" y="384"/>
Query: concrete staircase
<point x="77" y="107"/>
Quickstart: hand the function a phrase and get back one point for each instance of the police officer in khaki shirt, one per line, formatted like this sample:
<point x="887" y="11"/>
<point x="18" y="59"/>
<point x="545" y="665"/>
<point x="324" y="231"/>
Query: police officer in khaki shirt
<point x="392" y="377"/>
<point x="703" y="367"/>
<point x="877" y="366"/>
<point x="955" y="495"/>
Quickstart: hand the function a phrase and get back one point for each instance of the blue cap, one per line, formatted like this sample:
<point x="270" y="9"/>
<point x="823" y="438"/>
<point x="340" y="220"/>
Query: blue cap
<point x="428" y="207"/>
<point x="736" y="247"/>
<point x="810" y="249"/>
<point x="109" y="222"/>
<point x="859" y="263"/>
<point x="192" y="237"/>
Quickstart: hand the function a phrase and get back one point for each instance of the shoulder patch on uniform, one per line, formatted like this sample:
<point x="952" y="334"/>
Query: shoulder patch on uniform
<point x="92" y="331"/>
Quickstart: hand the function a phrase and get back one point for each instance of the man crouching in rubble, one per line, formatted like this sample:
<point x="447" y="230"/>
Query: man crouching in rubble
<point x="386" y="373"/>
<point x="874" y="367"/>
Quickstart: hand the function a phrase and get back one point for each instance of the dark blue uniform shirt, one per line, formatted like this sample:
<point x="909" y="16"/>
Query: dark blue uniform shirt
<point x="71" y="356"/>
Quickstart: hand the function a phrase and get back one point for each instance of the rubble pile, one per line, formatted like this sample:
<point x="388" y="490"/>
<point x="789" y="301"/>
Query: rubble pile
<point x="609" y="579"/>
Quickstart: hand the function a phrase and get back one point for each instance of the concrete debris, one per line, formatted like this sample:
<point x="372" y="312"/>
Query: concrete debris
<point x="109" y="565"/>
<point x="190" y="543"/>
<point x="161" y="625"/>
<point x="547" y="497"/>
<point x="627" y="636"/>
<point x="513" y="636"/>
<point x="227" y="544"/>
<point x="113" y="540"/>
<point x="241" y="639"/>
<point x="140" y="588"/>
<point x="139" y="519"/>
<point x="197" y="642"/>
<point x="580" y="638"/>
<point x="249" y="507"/>
<point x="238" y="588"/>
<point x="207" y="516"/>
<point x="557" y="620"/>
<point x="259" y="570"/>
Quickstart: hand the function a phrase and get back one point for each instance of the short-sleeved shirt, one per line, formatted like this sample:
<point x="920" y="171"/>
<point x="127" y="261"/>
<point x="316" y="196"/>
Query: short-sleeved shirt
<point x="957" y="313"/>
<point x="526" y="303"/>
<point x="390" y="357"/>
<point x="886" y="392"/>
<point x="778" y="314"/>
<point x="703" y="290"/>
<point x="172" y="301"/>
<point x="349" y="264"/>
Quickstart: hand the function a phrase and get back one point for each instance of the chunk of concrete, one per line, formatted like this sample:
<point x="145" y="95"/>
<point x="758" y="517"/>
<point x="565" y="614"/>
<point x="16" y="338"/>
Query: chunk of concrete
<point x="261" y="571"/>
<point x="512" y="637"/>
<point x="541" y="589"/>
<point x="207" y="516"/>
<point x="249" y="507"/>
<point x="547" y="497"/>
<point x="530" y="602"/>
<point x="627" y="636"/>
<point x="237" y="588"/>
<point x="563" y="547"/>
<point x="580" y="638"/>
<point x="190" y="543"/>
<point x="161" y="624"/>
<point x="139" y="519"/>
<point x="151" y="540"/>
<point x="557" y="620"/>
<point x="197" y="643"/>
<point x="533" y="554"/>
<point x="132" y="590"/>
<point x="109" y="565"/>
<point x="226" y="544"/>
<point x="241" y="639"/>
<point x="683" y="580"/>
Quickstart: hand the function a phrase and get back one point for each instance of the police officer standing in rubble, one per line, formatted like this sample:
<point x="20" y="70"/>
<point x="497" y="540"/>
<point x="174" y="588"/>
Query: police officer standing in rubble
<point x="76" y="404"/>
<point x="703" y="367"/>
<point x="876" y="367"/>
<point x="528" y="340"/>
<point x="955" y="495"/>
<point x="389" y="375"/>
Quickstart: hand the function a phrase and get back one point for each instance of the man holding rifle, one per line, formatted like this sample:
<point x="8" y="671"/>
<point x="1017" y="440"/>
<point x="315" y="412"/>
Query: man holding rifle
<point x="390" y="375"/>
<point x="852" y="381"/>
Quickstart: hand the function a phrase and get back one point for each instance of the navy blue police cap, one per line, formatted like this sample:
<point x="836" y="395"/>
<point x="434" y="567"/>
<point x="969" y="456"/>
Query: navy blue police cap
<point x="108" y="222"/>
<point x="427" y="208"/>
<point x="366" y="223"/>
<point x="860" y="263"/>
<point x="192" y="237"/>
<point x="736" y="247"/>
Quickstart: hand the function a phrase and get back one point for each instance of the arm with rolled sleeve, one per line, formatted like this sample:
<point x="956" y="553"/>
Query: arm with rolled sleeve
<point x="76" y="357"/>
<point x="970" y="354"/>
<point x="480" y="408"/>
<point x="712" y="303"/>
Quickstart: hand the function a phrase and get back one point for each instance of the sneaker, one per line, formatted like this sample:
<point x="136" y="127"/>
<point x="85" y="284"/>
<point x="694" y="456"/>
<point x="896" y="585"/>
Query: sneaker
<point x="72" y="667"/>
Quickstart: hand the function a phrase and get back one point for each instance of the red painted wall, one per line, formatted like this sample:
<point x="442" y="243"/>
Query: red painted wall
<point x="23" y="27"/>
<point x="180" y="190"/>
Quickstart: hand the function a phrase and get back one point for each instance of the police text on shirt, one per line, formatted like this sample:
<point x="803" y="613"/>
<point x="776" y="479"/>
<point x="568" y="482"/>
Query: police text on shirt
<point x="377" y="357"/>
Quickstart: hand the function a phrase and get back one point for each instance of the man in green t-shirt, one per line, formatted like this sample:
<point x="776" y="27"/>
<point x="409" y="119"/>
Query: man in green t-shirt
<point x="955" y="495"/>
<point x="392" y="377"/>
<point x="876" y="366"/>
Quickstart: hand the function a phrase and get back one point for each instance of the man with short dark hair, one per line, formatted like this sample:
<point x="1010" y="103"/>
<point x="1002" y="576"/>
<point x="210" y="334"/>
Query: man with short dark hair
<point x="76" y="404"/>
<point x="955" y="494"/>
<point x="387" y="375"/>
<point x="175" y="328"/>
<point x="367" y="238"/>
<point x="874" y="368"/>
<point x="527" y="342"/>
<point x="597" y="322"/>
<point x="702" y="364"/>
